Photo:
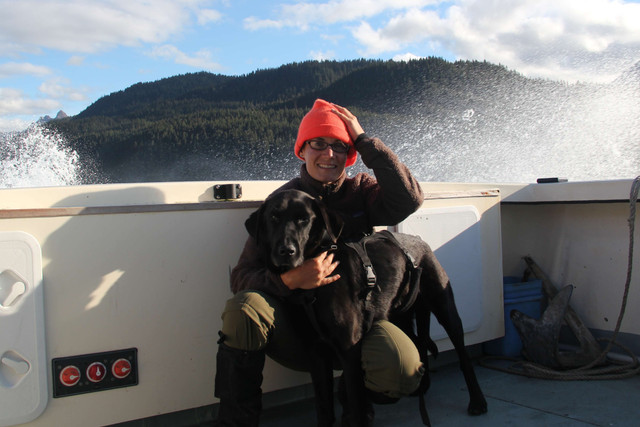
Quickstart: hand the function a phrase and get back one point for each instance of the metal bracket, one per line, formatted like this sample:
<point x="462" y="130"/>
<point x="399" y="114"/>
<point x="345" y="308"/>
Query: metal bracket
<point x="227" y="191"/>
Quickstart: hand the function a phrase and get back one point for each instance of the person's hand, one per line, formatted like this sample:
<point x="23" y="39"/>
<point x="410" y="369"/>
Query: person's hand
<point x="313" y="273"/>
<point x="353" y="126"/>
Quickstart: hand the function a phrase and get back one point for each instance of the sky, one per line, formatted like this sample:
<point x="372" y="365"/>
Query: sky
<point x="65" y="55"/>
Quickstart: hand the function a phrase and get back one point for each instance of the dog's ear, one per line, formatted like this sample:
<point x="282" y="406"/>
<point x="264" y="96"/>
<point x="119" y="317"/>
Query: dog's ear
<point x="252" y="224"/>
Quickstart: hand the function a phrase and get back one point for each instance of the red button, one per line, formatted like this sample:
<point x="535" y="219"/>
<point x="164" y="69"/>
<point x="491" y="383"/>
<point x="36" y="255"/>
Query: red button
<point x="69" y="376"/>
<point x="96" y="372"/>
<point x="121" y="368"/>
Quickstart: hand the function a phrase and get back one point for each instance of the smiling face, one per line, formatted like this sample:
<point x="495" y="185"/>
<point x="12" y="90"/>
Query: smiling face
<point x="326" y="165"/>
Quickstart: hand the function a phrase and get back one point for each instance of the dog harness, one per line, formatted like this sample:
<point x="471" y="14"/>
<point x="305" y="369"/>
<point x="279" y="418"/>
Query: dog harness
<point x="307" y="299"/>
<point x="360" y="247"/>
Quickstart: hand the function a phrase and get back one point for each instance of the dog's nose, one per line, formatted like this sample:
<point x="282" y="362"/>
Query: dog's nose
<point x="286" y="250"/>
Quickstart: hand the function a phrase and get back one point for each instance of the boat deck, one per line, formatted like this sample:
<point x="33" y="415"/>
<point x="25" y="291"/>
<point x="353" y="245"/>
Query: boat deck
<point x="512" y="399"/>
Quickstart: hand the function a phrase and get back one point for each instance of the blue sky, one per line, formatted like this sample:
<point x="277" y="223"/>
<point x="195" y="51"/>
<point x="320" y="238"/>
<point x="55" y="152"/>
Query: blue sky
<point x="64" y="55"/>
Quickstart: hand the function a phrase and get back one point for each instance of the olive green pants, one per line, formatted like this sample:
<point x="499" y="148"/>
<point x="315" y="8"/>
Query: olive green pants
<point x="253" y="320"/>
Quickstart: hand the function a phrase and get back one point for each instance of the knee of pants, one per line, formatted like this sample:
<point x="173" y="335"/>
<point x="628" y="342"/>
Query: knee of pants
<point x="390" y="361"/>
<point x="247" y="321"/>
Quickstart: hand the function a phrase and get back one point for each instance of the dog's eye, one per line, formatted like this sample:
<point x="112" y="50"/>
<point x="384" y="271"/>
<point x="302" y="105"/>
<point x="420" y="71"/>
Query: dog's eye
<point x="275" y="218"/>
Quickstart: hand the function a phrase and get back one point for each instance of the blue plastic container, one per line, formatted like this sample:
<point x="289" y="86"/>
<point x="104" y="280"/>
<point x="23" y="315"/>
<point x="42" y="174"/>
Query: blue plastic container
<point x="525" y="297"/>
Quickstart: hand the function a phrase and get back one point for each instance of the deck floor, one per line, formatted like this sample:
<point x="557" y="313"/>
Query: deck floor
<point x="513" y="400"/>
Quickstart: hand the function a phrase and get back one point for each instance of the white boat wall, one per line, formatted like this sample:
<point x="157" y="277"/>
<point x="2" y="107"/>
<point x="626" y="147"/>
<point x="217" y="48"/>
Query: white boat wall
<point x="126" y="283"/>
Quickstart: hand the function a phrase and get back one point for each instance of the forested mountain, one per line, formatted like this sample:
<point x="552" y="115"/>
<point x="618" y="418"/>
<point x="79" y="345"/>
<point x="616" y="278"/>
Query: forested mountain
<point x="243" y="127"/>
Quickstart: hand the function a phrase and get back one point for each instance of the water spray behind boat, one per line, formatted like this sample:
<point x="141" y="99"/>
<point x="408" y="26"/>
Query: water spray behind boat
<point x="37" y="157"/>
<point x="501" y="134"/>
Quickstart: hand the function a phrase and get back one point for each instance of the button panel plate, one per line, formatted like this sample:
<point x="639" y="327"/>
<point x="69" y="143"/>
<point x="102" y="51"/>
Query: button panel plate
<point x="111" y="369"/>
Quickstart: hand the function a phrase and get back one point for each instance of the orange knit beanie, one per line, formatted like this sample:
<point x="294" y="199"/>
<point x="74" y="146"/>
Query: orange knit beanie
<point x="321" y="122"/>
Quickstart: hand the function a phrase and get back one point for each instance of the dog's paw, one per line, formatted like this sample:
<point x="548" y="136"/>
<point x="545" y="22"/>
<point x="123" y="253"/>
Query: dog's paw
<point x="478" y="407"/>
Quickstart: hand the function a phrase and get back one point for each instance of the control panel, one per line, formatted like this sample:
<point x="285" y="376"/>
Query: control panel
<point x="88" y="373"/>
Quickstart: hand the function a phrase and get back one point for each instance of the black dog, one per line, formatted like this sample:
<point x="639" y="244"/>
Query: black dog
<point x="402" y="281"/>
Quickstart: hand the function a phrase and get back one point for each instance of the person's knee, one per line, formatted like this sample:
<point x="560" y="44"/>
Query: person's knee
<point x="247" y="321"/>
<point x="390" y="361"/>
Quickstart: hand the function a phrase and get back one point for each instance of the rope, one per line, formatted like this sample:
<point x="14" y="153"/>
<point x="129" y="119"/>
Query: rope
<point x="612" y="369"/>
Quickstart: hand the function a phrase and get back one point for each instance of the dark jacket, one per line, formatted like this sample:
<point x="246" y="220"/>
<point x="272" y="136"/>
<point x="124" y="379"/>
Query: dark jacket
<point x="363" y="201"/>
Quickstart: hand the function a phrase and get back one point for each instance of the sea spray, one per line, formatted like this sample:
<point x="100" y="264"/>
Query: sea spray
<point x="582" y="132"/>
<point x="502" y="130"/>
<point x="37" y="157"/>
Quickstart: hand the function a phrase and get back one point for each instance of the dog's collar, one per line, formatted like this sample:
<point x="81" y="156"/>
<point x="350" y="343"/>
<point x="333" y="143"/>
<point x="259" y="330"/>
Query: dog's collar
<point x="327" y="223"/>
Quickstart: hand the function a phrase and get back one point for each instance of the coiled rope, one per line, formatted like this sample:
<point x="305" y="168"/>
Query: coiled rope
<point x="603" y="367"/>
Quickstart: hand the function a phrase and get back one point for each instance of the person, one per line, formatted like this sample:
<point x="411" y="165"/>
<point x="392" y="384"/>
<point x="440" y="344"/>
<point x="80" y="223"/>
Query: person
<point x="255" y="320"/>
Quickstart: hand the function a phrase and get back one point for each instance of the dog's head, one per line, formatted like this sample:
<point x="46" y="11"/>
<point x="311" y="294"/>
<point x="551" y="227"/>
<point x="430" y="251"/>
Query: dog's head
<point x="290" y="226"/>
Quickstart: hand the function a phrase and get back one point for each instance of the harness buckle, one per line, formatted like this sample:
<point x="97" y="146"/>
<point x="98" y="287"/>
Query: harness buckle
<point x="371" y="276"/>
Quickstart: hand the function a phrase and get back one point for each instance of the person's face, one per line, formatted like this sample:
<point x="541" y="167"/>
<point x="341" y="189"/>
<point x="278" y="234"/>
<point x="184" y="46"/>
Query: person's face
<point x="326" y="165"/>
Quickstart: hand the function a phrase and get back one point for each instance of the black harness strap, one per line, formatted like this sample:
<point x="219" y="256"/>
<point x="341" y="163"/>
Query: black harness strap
<point x="360" y="247"/>
<point x="370" y="280"/>
<point x="415" y="272"/>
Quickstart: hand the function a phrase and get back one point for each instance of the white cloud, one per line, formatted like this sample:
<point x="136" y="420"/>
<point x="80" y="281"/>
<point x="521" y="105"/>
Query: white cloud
<point x="333" y="38"/>
<point x="201" y="59"/>
<point x="87" y="27"/>
<point x="208" y="15"/>
<point x="252" y="23"/>
<point x="13" y="124"/>
<point x="15" y="102"/>
<point x="567" y="39"/>
<point x="374" y="41"/>
<point x="322" y="56"/>
<point x="306" y="15"/>
<point x="59" y="88"/>
<point x="406" y="57"/>
<point x="76" y="60"/>
<point x="10" y="69"/>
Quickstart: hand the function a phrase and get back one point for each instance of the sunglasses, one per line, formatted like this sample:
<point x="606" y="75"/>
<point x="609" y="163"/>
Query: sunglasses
<point x="337" y="147"/>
